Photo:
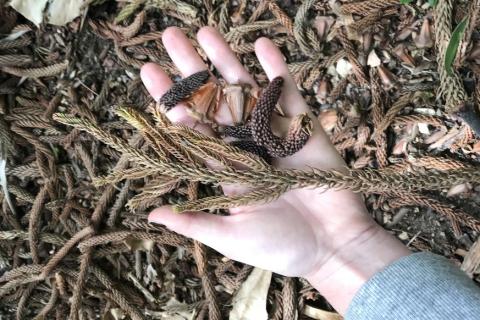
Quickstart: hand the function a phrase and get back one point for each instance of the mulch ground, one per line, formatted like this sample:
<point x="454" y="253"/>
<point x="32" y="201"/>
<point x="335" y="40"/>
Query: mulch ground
<point x="370" y="70"/>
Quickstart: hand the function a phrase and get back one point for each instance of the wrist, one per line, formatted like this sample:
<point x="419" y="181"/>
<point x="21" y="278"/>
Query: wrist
<point x="353" y="263"/>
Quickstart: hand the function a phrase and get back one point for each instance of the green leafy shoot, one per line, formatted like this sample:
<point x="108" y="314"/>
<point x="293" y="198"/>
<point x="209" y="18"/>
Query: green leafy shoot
<point x="452" y="47"/>
<point x="432" y="3"/>
<point x="406" y="1"/>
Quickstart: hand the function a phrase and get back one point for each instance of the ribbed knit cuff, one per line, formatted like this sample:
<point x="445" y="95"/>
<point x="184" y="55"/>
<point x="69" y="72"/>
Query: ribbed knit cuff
<point x="418" y="286"/>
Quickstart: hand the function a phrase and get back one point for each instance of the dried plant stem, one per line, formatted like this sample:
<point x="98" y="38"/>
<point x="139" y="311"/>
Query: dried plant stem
<point x="289" y="299"/>
<point x="305" y="37"/>
<point x="115" y="210"/>
<point x="281" y="16"/>
<point x="48" y="71"/>
<point x="236" y="33"/>
<point x="392" y="112"/>
<point x="451" y="87"/>
<point x="418" y="118"/>
<point x="14" y="60"/>
<point x="116" y="295"/>
<point x="17" y="43"/>
<point x="22" y="303"/>
<point x="473" y="14"/>
<point x="34" y="223"/>
<point x="119" y="236"/>
<point x="439" y="163"/>
<point x="86" y="257"/>
<point x="356" y="180"/>
<point x="64" y="250"/>
<point x="50" y="304"/>
<point x="352" y="57"/>
<point x="200" y="255"/>
<point x="226" y="202"/>
<point x="378" y="116"/>
<point x="366" y="23"/>
<point x="365" y="7"/>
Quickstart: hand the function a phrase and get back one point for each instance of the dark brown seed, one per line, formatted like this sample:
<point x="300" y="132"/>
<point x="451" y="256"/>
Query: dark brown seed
<point x="183" y="89"/>
<point x="298" y="133"/>
<point x="239" y="132"/>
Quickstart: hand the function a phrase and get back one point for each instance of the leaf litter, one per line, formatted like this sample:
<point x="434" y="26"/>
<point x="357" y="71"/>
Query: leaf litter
<point x="396" y="101"/>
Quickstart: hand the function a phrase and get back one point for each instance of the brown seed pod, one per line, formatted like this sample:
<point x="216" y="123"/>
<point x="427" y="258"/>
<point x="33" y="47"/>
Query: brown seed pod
<point x="299" y="131"/>
<point x="183" y="89"/>
<point x="203" y="104"/>
<point x="239" y="132"/>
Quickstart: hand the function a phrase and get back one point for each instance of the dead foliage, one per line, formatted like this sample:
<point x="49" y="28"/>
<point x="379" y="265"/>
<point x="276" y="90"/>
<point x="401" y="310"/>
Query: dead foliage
<point x="86" y="154"/>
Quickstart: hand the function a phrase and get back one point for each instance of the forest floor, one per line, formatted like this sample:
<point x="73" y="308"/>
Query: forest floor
<point x="372" y="71"/>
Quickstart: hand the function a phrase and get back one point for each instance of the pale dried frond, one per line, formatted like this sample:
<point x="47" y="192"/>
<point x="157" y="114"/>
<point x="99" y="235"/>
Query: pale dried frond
<point x="373" y="181"/>
<point x="127" y="174"/>
<point x="14" y="60"/>
<point x="47" y="71"/>
<point x="226" y="202"/>
<point x="128" y="10"/>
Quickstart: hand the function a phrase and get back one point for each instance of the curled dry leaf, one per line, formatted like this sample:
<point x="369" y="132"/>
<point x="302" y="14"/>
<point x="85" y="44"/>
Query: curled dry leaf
<point x="400" y="146"/>
<point x="323" y="24"/>
<point x="476" y="147"/>
<point x="424" y="39"/>
<point x="459" y="189"/>
<point x="250" y="302"/>
<point x="373" y="60"/>
<point x="404" y="56"/>
<point x="434" y="137"/>
<point x="328" y="119"/>
<point x="235" y="99"/>
<point x="471" y="263"/>
<point x="30" y="9"/>
<point x="387" y="78"/>
<point x="59" y="12"/>
<point x="344" y="67"/>
<point x="423" y="128"/>
<point x="205" y="101"/>
<point x="446" y="141"/>
<point x="323" y="90"/>
<point x="176" y="310"/>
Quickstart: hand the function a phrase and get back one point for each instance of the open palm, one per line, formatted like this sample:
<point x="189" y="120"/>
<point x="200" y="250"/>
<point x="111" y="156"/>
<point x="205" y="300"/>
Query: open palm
<point x="303" y="230"/>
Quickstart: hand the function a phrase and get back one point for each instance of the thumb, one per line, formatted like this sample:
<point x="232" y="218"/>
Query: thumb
<point x="210" y="229"/>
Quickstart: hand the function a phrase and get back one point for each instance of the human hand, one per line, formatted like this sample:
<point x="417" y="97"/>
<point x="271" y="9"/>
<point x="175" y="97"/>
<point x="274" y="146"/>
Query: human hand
<point x="323" y="235"/>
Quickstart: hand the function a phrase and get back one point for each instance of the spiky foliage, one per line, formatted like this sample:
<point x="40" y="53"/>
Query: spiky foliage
<point x="267" y="183"/>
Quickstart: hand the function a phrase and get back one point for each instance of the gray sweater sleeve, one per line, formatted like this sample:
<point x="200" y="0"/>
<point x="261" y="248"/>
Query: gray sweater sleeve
<point x="418" y="286"/>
